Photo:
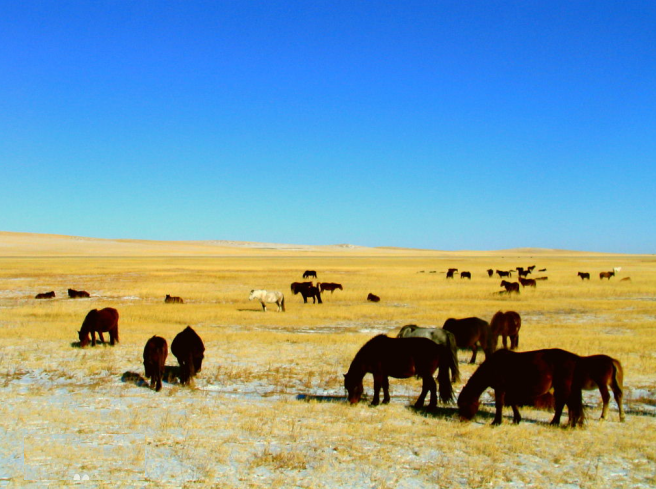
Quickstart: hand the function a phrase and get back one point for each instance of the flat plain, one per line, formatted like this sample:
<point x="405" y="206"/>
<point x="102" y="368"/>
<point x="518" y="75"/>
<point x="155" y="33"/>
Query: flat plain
<point x="268" y="408"/>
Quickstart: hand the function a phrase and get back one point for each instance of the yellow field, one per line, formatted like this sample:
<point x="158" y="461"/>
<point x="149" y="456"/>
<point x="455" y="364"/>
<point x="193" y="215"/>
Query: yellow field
<point x="243" y="425"/>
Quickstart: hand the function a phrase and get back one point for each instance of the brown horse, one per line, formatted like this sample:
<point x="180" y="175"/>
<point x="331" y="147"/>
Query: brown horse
<point x="323" y="286"/>
<point x="373" y="297"/>
<point x="76" y="294"/>
<point x="154" y="356"/>
<point x="400" y="358"/>
<point x="511" y="287"/>
<point x="602" y="371"/>
<point x="507" y="325"/>
<point x="173" y="300"/>
<point x="103" y="321"/>
<point x="608" y="275"/>
<point x="465" y="275"/>
<point x="307" y="289"/>
<point x="490" y="272"/>
<point x="527" y="282"/>
<point x="503" y="273"/>
<point x="189" y="349"/>
<point x="471" y="333"/>
<point x="309" y="273"/>
<point x="584" y="276"/>
<point x="518" y="379"/>
<point x="46" y="295"/>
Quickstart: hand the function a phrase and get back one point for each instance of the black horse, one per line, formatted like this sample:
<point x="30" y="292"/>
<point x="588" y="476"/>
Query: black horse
<point x="189" y="349"/>
<point x="154" y="356"/>
<point x="307" y="289"/>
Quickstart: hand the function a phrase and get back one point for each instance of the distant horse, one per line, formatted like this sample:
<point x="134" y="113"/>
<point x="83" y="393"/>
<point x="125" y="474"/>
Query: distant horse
<point x="523" y="273"/>
<point x="401" y="358"/>
<point x="76" y="294"/>
<point x="270" y="296"/>
<point x="541" y="278"/>
<point x="502" y="273"/>
<point x="307" y="289"/>
<point x="507" y="325"/>
<point x="608" y="275"/>
<point x="602" y="371"/>
<point x="471" y="333"/>
<point x="373" y="297"/>
<point x="617" y="270"/>
<point x="625" y="279"/>
<point x="490" y="272"/>
<point x="154" y="357"/>
<point x="584" y="276"/>
<point x="309" y="273"/>
<point x="439" y="336"/>
<point x="465" y="275"/>
<point x="189" y="349"/>
<point x="450" y="272"/>
<point x="103" y="321"/>
<point x="173" y="300"/>
<point x="542" y="270"/>
<point x="527" y="282"/>
<point x="510" y="286"/>
<point x="323" y="286"/>
<point x="45" y="295"/>
<point x="531" y="268"/>
<point x="518" y="379"/>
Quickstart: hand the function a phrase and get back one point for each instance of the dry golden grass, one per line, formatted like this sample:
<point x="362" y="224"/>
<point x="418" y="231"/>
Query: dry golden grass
<point x="242" y="424"/>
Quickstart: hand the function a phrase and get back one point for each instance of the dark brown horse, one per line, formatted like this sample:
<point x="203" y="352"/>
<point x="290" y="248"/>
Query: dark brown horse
<point x="507" y="325"/>
<point x="76" y="294"/>
<point x="307" y="289"/>
<point x="600" y="372"/>
<point x="518" y="379"/>
<point x="154" y="357"/>
<point x="373" y="297"/>
<point x="46" y="295"/>
<point x="323" y="286"/>
<point x="401" y="358"/>
<point x="503" y="273"/>
<point x="465" y="275"/>
<point x="189" y="349"/>
<point x="173" y="300"/>
<point x="309" y="273"/>
<point x="608" y="275"/>
<point x="490" y="272"/>
<point x="511" y="287"/>
<point x="103" y="321"/>
<point x="451" y="272"/>
<point x="584" y="275"/>
<point x="471" y="333"/>
<point x="527" y="282"/>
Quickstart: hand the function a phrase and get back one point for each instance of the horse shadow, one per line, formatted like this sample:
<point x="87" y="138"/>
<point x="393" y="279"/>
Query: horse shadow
<point x="315" y="398"/>
<point x="171" y="376"/>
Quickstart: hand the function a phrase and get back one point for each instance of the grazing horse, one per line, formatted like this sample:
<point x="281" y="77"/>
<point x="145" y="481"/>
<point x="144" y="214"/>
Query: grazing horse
<point x="309" y="273"/>
<point x="465" y="275"/>
<point x="602" y="371"/>
<point x="523" y="273"/>
<point x="173" y="300"/>
<point x="270" y="296"/>
<point x="507" y="325"/>
<point x="306" y="289"/>
<point x="527" y="282"/>
<point x="189" y="349"/>
<point x="323" y="286"/>
<point x="471" y="333"/>
<point x="154" y="356"/>
<point x="608" y="275"/>
<point x="103" y="321"/>
<point x="518" y="379"/>
<point x="584" y="276"/>
<point x="401" y="358"/>
<point x="439" y="336"/>
<point x="46" y="295"/>
<point x="510" y="286"/>
<point x="503" y="273"/>
<point x="373" y="297"/>
<point x="76" y="294"/>
<point x="490" y="272"/>
<point x="450" y="272"/>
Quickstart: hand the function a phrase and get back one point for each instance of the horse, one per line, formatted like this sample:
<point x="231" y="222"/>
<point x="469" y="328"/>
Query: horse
<point x="617" y="270"/>
<point x="401" y="358"/>
<point x="471" y="333"/>
<point x="523" y="273"/>
<point x="608" y="275"/>
<point x="527" y="282"/>
<point x="309" y="273"/>
<point x="189" y="349"/>
<point x="541" y="278"/>
<point x="103" y="321"/>
<point x="450" y="272"/>
<point x="173" y="300"/>
<point x="270" y="296"/>
<point x="465" y="275"/>
<point x="507" y="325"/>
<point x="439" y="336"/>
<point x="531" y="268"/>
<point x="625" y="279"/>
<point x="307" y="289"/>
<point x="503" y="273"/>
<point x="520" y="378"/>
<point x="584" y="275"/>
<point x="46" y="295"/>
<point x="323" y="286"/>
<point x="602" y="371"/>
<point x="510" y="286"/>
<point x="154" y="356"/>
<point x="373" y="297"/>
<point x="490" y="272"/>
<point x="76" y="294"/>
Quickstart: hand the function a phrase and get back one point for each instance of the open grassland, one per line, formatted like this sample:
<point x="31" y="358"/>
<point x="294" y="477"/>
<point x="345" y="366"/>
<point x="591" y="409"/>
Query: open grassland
<point x="267" y="409"/>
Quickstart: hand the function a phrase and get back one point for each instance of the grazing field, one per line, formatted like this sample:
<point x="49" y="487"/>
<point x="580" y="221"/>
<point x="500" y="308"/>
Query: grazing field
<point x="268" y="407"/>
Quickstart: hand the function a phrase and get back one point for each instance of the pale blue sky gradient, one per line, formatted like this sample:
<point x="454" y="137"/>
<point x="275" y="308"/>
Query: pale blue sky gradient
<point x="438" y="124"/>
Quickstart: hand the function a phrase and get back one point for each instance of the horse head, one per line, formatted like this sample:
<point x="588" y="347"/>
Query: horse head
<point x="354" y="388"/>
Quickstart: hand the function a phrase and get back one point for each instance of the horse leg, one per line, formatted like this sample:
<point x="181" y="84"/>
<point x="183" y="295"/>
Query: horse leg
<point x="386" y="396"/>
<point x="605" y="399"/>
<point x="101" y="337"/>
<point x="499" y="398"/>
<point x="378" y="383"/>
<point x="505" y="341"/>
<point x="428" y="385"/>
<point x="617" y="393"/>
<point x="473" y="358"/>
<point x="263" y="306"/>
<point x="93" y="338"/>
<point x="516" y="416"/>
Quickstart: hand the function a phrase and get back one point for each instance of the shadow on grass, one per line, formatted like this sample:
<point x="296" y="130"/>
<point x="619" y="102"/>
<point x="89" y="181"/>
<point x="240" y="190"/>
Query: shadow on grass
<point x="171" y="376"/>
<point x="310" y="397"/>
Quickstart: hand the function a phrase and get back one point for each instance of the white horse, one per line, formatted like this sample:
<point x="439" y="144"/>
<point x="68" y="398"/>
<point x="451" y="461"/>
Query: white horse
<point x="439" y="336"/>
<point x="268" y="296"/>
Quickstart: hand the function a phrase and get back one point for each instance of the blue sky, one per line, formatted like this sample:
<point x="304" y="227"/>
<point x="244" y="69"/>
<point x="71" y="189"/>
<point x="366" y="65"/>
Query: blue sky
<point x="439" y="124"/>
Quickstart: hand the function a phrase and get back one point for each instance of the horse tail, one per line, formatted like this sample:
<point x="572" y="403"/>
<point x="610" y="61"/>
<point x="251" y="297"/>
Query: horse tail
<point x="282" y="303"/>
<point x="443" y="378"/>
<point x="453" y="357"/>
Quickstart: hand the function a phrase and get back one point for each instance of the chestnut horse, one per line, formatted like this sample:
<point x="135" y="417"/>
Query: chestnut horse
<point x="173" y="300"/>
<point x="471" y="333"/>
<point x="439" y="336"/>
<point x="373" y="297"/>
<point x="608" y="275"/>
<point x="401" y="358"/>
<point x="189" y="349"/>
<point x="519" y="379"/>
<point x="507" y="325"/>
<point x="510" y="286"/>
<point x="154" y="357"/>
<point x="46" y="295"/>
<point x="76" y="294"/>
<point x="323" y="286"/>
<point x="602" y="371"/>
<point x="103" y="321"/>
<point x="527" y="282"/>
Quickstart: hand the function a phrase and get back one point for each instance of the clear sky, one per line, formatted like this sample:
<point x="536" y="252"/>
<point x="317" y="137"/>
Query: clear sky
<point x="430" y="124"/>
